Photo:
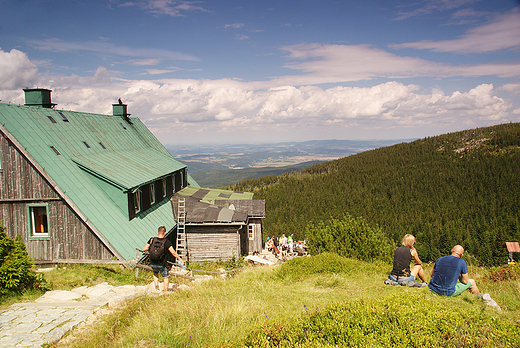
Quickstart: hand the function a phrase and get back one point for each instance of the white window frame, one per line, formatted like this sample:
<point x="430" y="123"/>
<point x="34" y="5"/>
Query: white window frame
<point x="152" y="194"/>
<point x="33" y="209"/>
<point x="137" y="201"/>
<point x="164" y="188"/>
<point x="251" y="231"/>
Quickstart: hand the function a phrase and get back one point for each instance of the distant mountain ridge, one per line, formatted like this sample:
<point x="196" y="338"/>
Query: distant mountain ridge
<point x="221" y="178"/>
<point x="457" y="188"/>
<point x="205" y="158"/>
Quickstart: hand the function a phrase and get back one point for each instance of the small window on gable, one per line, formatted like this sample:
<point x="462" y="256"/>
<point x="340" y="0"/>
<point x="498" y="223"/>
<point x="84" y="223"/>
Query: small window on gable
<point x="152" y="193"/>
<point x="103" y="146"/>
<point x="86" y="144"/>
<point x="52" y="119"/>
<point x="38" y="221"/>
<point x="164" y="188"/>
<point x="137" y="201"/>
<point x="63" y="117"/>
<point x="251" y="231"/>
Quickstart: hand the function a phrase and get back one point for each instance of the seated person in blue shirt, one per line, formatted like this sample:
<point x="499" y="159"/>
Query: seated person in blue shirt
<point x="447" y="271"/>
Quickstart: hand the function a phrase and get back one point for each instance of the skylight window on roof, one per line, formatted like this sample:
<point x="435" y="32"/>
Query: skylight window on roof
<point x="63" y="117"/>
<point x="52" y="119"/>
<point x="87" y="145"/>
<point x="55" y="150"/>
<point x="123" y="126"/>
<point x="103" y="146"/>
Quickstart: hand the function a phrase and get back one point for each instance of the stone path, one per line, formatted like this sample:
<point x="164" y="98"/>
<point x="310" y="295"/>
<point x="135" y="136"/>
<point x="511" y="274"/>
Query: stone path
<point x="49" y="317"/>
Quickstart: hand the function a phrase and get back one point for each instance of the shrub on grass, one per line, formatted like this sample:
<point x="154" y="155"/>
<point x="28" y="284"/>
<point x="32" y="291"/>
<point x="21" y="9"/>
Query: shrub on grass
<point x="397" y="320"/>
<point x="326" y="263"/>
<point x="16" y="272"/>
<point x="507" y="272"/>
<point x="350" y="237"/>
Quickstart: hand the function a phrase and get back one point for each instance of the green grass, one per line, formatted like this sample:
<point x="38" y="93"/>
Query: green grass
<point x="288" y="300"/>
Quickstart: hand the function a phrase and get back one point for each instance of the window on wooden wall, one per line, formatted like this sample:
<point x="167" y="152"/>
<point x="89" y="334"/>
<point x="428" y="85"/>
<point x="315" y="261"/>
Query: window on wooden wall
<point x="164" y="188"/>
<point x="38" y="220"/>
<point x="251" y="231"/>
<point x="173" y="183"/>
<point x="152" y="194"/>
<point x="137" y="201"/>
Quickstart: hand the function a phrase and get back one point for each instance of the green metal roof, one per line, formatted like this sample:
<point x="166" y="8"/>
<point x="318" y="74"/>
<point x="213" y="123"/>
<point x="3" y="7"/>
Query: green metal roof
<point x="120" y="155"/>
<point x="146" y="165"/>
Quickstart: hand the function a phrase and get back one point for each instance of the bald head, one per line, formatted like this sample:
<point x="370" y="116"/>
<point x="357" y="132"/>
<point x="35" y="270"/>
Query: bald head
<point x="457" y="251"/>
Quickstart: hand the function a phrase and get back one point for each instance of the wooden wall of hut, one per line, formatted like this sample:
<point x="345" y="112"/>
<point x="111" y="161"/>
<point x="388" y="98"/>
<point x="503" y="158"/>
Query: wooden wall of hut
<point x="21" y="186"/>
<point x="212" y="243"/>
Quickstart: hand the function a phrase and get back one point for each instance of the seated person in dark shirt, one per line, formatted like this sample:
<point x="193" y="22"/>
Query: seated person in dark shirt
<point x="403" y="255"/>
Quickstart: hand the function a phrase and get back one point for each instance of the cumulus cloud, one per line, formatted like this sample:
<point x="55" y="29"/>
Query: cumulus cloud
<point x="502" y="33"/>
<point x="16" y="70"/>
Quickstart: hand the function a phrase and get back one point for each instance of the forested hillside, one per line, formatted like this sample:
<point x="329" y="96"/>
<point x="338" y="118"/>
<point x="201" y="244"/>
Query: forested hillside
<point x="457" y="188"/>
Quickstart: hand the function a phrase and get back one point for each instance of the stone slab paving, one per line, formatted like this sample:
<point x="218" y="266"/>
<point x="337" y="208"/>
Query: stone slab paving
<point x="48" y="318"/>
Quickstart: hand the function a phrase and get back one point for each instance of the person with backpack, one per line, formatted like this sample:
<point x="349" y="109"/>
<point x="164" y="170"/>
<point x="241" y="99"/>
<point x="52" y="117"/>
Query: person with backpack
<point x="157" y="248"/>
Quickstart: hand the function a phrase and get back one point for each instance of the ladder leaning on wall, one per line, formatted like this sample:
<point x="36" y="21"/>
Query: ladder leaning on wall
<point x="182" y="248"/>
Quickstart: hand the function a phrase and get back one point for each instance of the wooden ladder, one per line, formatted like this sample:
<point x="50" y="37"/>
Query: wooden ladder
<point x="182" y="248"/>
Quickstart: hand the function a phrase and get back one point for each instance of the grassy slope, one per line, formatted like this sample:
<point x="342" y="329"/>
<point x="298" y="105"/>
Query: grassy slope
<point x="225" y="312"/>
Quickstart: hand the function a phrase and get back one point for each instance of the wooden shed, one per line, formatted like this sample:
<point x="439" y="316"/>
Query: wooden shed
<point x="83" y="186"/>
<point x="217" y="224"/>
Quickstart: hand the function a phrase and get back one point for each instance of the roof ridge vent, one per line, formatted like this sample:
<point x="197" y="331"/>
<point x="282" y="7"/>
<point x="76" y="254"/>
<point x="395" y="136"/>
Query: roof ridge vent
<point x="38" y="97"/>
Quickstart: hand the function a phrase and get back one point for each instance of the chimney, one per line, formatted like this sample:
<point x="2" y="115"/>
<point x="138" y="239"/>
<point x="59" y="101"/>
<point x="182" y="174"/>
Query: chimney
<point x="38" y="97"/>
<point x="120" y="109"/>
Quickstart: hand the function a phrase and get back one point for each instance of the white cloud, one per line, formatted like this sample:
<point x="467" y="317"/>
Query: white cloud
<point x="16" y="70"/>
<point x="149" y="61"/>
<point x="431" y="6"/>
<point x="109" y="49"/>
<point x="177" y="107"/>
<point x="234" y="25"/>
<point x="500" y="34"/>
<point x="172" y="8"/>
<point x="340" y="63"/>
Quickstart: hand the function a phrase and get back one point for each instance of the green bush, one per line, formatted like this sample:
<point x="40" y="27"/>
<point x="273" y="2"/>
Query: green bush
<point x="350" y="237"/>
<point x="326" y="263"/>
<point x="413" y="320"/>
<point x="16" y="272"/>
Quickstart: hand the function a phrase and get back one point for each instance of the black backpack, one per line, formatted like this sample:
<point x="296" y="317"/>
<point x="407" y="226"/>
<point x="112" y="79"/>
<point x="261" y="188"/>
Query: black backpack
<point x="156" y="250"/>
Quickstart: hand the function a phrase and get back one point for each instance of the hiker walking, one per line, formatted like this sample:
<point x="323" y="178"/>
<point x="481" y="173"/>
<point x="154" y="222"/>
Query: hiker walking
<point x="157" y="248"/>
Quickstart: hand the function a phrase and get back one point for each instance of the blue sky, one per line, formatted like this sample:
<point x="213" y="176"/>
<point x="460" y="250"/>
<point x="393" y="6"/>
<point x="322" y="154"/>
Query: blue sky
<point x="271" y="71"/>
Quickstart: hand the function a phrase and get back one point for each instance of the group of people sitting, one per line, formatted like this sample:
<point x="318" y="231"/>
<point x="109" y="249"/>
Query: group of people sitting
<point x="282" y="245"/>
<point x="449" y="276"/>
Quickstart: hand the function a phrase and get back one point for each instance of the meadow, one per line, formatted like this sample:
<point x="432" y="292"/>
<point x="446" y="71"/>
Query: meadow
<point x="320" y="301"/>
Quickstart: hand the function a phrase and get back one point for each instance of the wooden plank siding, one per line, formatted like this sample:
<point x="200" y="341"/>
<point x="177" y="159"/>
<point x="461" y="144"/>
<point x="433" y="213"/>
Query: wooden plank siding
<point x="20" y="185"/>
<point x="212" y="243"/>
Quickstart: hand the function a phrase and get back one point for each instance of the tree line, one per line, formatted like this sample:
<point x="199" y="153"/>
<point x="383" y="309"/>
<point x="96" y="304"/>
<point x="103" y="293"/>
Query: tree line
<point x="458" y="188"/>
